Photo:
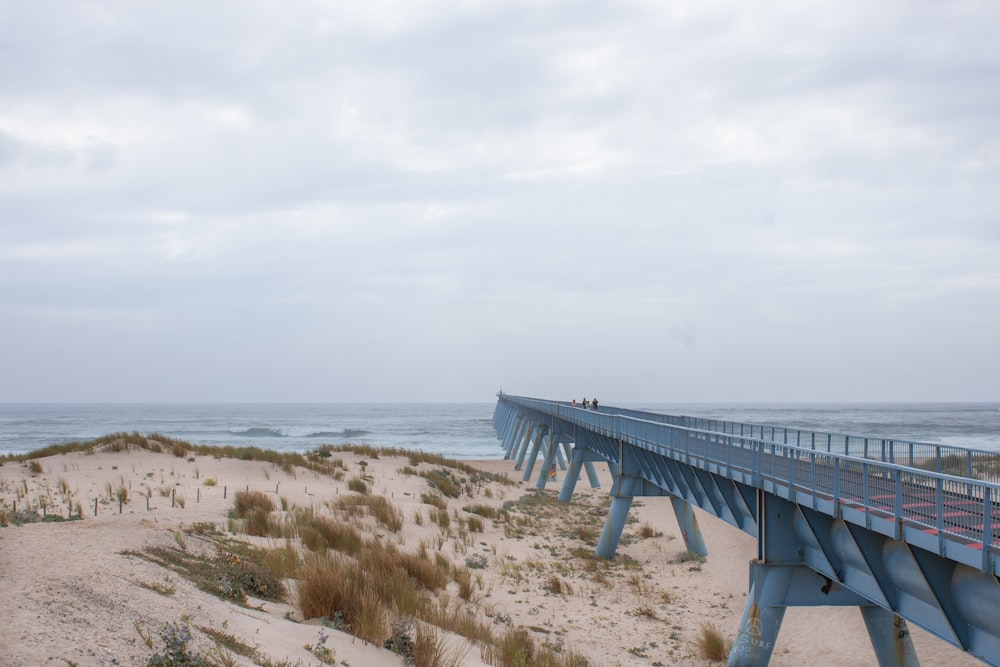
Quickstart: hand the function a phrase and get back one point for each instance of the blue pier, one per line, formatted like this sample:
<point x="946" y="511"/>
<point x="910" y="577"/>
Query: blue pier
<point x="840" y="520"/>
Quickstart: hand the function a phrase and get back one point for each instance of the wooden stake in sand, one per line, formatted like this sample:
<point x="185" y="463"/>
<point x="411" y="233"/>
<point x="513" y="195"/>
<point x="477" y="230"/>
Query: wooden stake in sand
<point x="95" y="506"/>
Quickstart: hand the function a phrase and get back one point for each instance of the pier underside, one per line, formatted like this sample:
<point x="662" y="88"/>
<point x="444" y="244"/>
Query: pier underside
<point x="814" y="548"/>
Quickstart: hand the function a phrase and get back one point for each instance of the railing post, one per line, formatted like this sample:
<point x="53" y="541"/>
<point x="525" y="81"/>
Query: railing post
<point x="968" y="472"/>
<point x="836" y="488"/>
<point x="773" y="457"/>
<point x="756" y="458"/>
<point x="898" y="509"/>
<point x="939" y="511"/>
<point x="987" y="530"/>
<point x="812" y="476"/>
<point x="729" y="457"/>
<point x="791" y="473"/>
<point x="864" y="493"/>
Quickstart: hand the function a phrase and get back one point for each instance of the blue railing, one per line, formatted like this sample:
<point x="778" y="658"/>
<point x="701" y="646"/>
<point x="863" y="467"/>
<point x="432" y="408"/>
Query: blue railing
<point x="977" y="464"/>
<point x="947" y="509"/>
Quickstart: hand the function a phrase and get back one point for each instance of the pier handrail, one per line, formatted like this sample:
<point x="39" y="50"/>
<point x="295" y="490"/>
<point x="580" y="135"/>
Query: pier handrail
<point x="981" y="464"/>
<point x="808" y="476"/>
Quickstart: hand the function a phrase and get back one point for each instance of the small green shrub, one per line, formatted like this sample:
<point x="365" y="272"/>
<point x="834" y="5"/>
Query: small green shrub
<point x="175" y="638"/>
<point x="444" y="481"/>
<point x="239" y="577"/>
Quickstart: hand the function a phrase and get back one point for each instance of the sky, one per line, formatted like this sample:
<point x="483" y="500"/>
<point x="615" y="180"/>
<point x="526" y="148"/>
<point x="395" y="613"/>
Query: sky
<point x="410" y="200"/>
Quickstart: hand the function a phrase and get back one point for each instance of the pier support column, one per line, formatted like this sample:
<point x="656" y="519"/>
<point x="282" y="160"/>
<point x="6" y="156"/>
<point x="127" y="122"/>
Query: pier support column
<point x="773" y="588"/>
<point x="563" y="444"/>
<point x="762" y="617"/>
<point x="688" y="523"/>
<point x="612" y="532"/>
<point x="541" y="435"/>
<point x="548" y="461"/>
<point x="514" y="437"/>
<point x="522" y="448"/>
<point x="627" y="485"/>
<point x="579" y="458"/>
<point x="890" y="638"/>
<point x="572" y="475"/>
<point x="780" y="578"/>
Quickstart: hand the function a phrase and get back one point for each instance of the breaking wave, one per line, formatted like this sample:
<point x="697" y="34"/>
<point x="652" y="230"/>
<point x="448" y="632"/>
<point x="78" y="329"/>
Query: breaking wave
<point x="346" y="433"/>
<point x="259" y="433"/>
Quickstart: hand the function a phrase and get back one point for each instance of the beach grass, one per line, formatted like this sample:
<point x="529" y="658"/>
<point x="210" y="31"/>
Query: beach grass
<point x="350" y="573"/>
<point x="711" y="644"/>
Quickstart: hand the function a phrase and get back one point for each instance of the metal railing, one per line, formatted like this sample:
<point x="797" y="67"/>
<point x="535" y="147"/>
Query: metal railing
<point x="952" y="507"/>
<point x="977" y="464"/>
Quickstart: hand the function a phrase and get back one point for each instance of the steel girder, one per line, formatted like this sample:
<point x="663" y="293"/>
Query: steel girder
<point x="810" y="552"/>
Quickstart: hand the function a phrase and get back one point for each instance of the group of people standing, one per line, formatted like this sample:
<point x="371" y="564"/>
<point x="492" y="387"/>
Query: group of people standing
<point x="587" y="405"/>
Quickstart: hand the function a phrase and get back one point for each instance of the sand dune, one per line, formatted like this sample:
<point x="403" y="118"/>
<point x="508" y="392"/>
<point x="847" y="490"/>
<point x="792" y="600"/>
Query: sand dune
<point x="76" y="594"/>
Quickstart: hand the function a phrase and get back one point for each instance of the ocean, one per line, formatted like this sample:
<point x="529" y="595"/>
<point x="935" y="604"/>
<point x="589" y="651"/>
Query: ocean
<point x="456" y="430"/>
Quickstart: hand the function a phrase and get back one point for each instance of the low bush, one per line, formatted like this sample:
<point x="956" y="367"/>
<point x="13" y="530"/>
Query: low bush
<point x="176" y="637"/>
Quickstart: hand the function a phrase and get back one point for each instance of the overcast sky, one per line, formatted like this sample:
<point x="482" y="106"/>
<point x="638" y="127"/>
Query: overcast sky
<point x="427" y="201"/>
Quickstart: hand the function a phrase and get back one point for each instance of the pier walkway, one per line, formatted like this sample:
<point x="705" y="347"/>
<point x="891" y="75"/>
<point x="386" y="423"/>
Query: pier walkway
<point x="905" y="531"/>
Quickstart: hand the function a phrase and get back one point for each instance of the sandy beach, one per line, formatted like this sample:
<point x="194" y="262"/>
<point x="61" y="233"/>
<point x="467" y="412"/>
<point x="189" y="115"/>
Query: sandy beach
<point x="86" y="592"/>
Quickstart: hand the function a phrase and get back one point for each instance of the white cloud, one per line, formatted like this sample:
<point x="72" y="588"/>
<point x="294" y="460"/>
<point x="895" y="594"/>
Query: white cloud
<point x="417" y="196"/>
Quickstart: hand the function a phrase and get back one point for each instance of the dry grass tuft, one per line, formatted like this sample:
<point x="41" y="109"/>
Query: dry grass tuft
<point x="558" y="586"/>
<point x="378" y="506"/>
<point x="245" y="502"/>
<point x="711" y="644"/>
<point x="254" y="508"/>
<point x="647" y="531"/>
<point x="431" y="649"/>
<point x="322" y="532"/>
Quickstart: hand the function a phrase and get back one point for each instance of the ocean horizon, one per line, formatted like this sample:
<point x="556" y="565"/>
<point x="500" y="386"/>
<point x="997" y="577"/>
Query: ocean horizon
<point x="455" y="430"/>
